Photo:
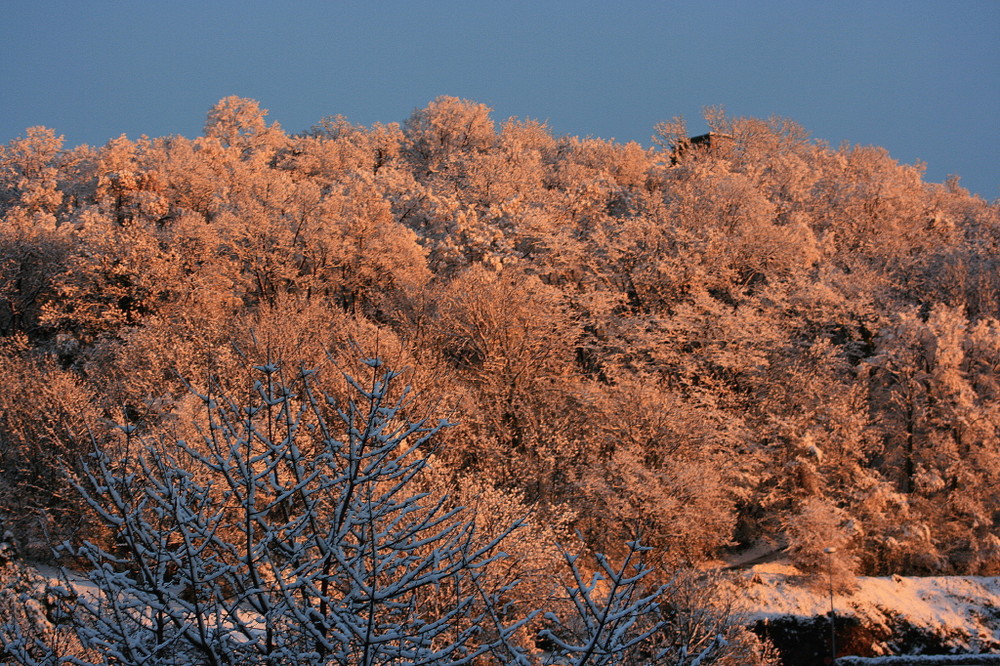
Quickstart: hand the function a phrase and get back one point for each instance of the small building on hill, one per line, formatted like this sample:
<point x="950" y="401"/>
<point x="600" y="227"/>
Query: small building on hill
<point x="717" y="142"/>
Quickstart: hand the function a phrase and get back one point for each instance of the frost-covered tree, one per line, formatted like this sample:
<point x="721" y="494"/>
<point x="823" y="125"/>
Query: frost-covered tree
<point x="934" y="384"/>
<point x="289" y="533"/>
<point x="28" y="173"/>
<point x="447" y="128"/>
<point x="239" y="124"/>
<point x="615" y="613"/>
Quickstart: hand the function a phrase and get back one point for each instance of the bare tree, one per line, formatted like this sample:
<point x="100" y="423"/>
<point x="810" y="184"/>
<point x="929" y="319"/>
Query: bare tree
<point x="289" y="533"/>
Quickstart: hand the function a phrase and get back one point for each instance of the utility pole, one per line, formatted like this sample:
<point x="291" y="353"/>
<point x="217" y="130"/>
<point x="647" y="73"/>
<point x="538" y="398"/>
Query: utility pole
<point x="833" y="613"/>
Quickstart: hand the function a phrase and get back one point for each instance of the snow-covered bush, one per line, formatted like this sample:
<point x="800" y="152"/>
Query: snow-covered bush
<point x="820" y="543"/>
<point x="33" y="630"/>
<point x="616" y="615"/>
<point x="289" y="533"/>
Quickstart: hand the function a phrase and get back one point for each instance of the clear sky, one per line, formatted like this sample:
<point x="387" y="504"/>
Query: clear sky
<point x="921" y="78"/>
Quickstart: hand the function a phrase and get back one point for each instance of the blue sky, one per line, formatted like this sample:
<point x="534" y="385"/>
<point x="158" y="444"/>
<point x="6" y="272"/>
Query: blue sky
<point x="919" y="78"/>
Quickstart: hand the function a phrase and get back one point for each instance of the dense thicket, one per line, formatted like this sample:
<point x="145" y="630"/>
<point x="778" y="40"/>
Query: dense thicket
<point x="761" y="338"/>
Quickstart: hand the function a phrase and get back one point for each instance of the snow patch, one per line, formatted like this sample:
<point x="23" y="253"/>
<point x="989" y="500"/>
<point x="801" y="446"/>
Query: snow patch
<point x="965" y="610"/>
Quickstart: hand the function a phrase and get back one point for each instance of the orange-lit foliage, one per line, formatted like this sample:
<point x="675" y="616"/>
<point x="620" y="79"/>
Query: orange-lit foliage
<point x="715" y="345"/>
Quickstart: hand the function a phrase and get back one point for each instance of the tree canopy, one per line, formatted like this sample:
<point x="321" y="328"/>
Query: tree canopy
<point x="755" y="338"/>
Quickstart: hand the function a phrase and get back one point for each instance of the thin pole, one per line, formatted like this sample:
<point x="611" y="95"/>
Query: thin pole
<point x="833" y="613"/>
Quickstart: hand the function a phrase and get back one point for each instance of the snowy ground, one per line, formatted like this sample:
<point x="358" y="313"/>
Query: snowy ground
<point x="939" y="660"/>
<point x="963" y="612"/>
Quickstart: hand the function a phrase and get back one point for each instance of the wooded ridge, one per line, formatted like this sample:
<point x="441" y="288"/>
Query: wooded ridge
<point x="707" y="345"/>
